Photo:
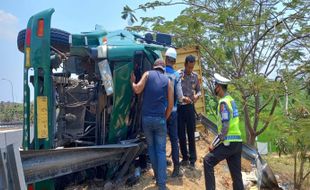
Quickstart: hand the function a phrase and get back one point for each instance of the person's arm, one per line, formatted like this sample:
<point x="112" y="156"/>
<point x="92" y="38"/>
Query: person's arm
<point x="225" y="116"/>
<point x="179" y="91"/>
<point x="216" y="141"/>
<point x="197" y="90"/>
<point x="170" y="100"/>
<point x="139" y="87"/>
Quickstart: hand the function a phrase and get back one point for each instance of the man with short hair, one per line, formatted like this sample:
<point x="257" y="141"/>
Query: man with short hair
<point x="186" y="111"/>
<point x="228" y="144"/>
<point x="156" y="108"/>
<point x="172" y="125"/>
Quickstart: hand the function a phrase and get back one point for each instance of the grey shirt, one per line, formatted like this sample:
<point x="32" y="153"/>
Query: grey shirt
<point x="190" y="84"/>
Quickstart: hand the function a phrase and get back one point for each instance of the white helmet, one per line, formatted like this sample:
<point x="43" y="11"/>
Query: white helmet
<point x="171" y="52"/>
<point x="220" y="79"/>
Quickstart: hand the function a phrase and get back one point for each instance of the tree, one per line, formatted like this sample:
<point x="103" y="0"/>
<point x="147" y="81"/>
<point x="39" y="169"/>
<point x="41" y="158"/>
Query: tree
<point x="247" y="41"/>
<point x="297" y="125"/>
<point x="10" y="112"/>
<point x="281" y="145"/>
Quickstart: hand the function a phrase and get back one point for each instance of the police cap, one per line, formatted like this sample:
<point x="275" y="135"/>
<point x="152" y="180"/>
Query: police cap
<point x="220" y="79"/>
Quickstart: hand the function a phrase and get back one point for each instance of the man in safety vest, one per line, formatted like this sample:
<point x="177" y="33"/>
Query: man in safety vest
<point x="228" y="144"/>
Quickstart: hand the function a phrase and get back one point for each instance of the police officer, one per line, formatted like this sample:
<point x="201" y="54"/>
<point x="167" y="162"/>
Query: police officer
<point x="186" y="111"/>
<point x="228" y="144"/>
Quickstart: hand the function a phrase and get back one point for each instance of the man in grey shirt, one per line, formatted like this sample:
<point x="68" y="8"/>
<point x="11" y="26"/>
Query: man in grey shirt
<point x="186" y="111"/>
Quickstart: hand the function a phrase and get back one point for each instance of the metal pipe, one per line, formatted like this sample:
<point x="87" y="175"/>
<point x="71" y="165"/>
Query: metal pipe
<point x="11" y="87"/>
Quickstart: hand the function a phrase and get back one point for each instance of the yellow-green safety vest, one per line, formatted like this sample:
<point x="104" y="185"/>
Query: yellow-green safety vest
<point x="234" y="134"/>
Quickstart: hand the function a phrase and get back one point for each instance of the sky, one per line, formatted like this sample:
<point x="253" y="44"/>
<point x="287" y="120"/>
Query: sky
<point x="73" y="16"/>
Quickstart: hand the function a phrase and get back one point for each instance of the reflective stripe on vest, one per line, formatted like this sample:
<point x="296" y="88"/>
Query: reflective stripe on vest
<point x="233" y="137"/>
<point x="234" y="134"/>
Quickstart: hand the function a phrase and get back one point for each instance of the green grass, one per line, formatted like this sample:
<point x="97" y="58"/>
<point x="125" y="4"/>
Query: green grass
<point x="267" y="136"/>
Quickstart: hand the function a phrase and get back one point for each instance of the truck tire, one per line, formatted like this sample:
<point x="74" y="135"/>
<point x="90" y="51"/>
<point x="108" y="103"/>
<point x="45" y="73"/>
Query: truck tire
<point x="59" y="40"/>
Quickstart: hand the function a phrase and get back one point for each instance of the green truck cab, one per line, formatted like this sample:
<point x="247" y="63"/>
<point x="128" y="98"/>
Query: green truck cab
<point x="81" y="82"/>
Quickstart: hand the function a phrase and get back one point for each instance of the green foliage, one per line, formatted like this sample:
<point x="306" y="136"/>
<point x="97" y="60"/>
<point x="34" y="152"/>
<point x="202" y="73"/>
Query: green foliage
<point x="297" y="128"/>
<point x="11" y="112"/>
<point x="282" y="145"/>
<point x="250" y="42"/>
<point x="211" y="106"/>
<point x="128" y="13"/>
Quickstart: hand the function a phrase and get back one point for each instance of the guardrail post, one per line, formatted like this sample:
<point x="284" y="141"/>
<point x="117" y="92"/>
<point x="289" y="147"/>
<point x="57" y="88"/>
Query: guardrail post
<point x="3" y="170"/>
<point x="11" y="169"/>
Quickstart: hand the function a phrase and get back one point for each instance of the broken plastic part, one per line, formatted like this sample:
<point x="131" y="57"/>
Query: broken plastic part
<point x="106" y="76"/>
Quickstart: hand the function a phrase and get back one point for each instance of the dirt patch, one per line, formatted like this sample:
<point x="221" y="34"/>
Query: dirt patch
<point x="192" y="179"/>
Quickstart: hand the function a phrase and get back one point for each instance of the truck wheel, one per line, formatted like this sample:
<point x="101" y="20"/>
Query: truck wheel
<point x="59" y="40"/>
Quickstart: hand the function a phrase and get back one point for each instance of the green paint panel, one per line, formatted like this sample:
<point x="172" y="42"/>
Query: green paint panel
<point x="121" y="103"/>
<point x="39" y="60"/>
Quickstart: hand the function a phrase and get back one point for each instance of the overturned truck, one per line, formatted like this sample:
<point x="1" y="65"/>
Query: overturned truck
<point x="86" y="116"/>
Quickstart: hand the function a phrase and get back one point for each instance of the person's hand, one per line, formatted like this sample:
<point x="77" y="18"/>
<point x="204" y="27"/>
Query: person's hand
<point x="132" y="77"/>
<point x="196" y="97"/>
<point x="211" y="148"/>
<point x="187" y="100"/>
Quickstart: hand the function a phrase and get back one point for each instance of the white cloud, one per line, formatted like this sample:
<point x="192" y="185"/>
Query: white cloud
<point x="8" y="26"/>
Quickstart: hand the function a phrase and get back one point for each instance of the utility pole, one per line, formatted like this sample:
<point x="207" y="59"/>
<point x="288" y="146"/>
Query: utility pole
<point x="11" y="87"/>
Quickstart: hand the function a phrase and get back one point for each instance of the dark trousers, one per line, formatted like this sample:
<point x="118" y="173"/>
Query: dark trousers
<point x="232" y="154"/>
<point x="187" y="124"/>
<point x="172" y="127"/>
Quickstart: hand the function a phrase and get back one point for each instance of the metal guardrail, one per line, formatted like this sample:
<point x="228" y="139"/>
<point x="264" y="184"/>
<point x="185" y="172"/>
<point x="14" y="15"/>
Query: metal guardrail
<point x="266" y="178"/>
<point x="12" y="176"/>
<point x="248" y="152"/>
<point x="40" y="165"/>
<point x="11" y="123"/>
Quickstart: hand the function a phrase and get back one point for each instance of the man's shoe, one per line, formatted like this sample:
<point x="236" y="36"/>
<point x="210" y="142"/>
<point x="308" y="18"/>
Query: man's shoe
<point x="176" y="172"/>
<point x="184" y="163"/>
<point x="169" y="163"/>
<point x="192" y="165"/>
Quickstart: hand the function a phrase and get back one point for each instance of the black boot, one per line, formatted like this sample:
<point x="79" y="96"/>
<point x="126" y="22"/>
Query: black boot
<point x="176" y="172"/>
